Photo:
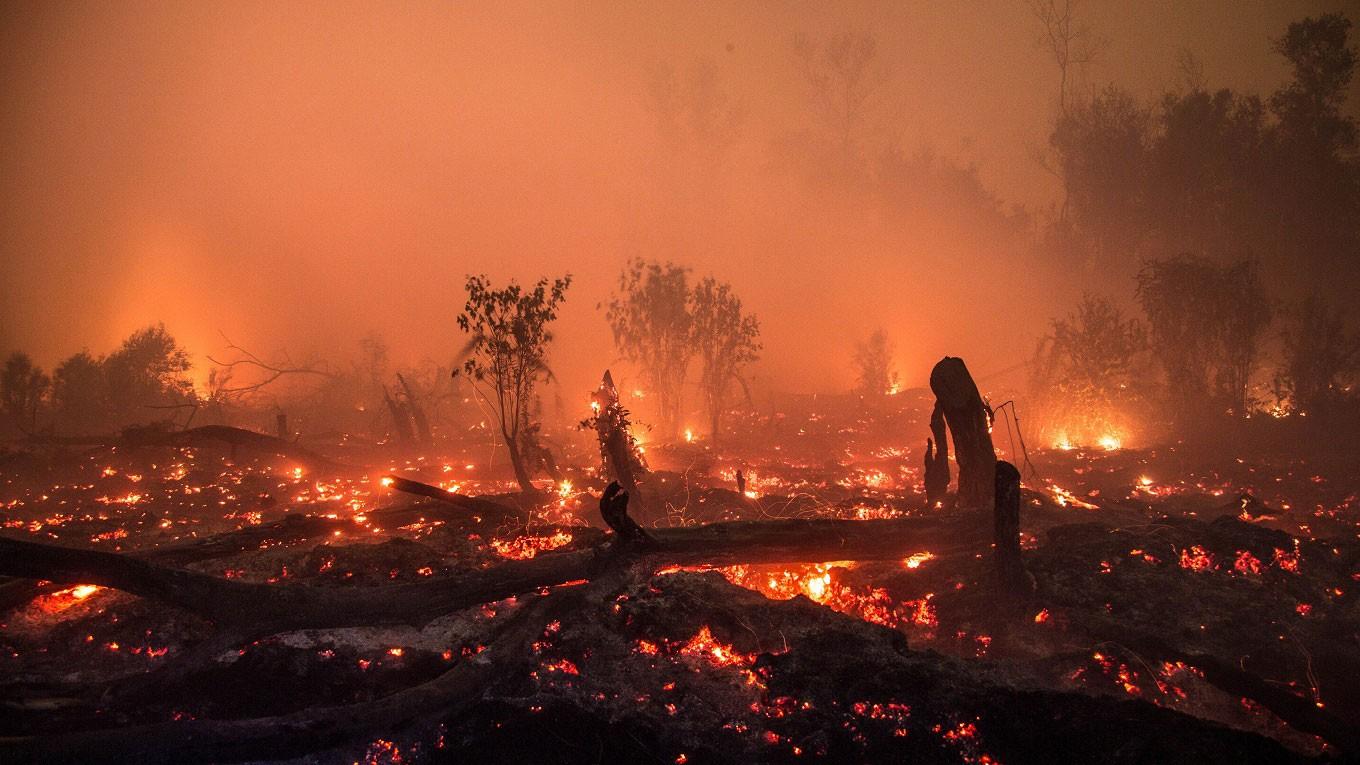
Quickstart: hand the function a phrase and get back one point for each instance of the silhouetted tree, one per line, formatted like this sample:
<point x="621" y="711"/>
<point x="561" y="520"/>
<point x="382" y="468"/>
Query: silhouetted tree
<point x="874" y="374"/>
<point x="1207" y="321"/>
<point x="149" y="371"/>
<point x="651" y="321"/>
<point x="1315" y="169"/>
<point x="142" y="382"/>
<point x="727" y="340"/>
<point x="1321" y="356"/>
<point x="1103" y="146"/>
<point x="79" y="394"/>
<point x="507" y="351"/>
<point x="23" y="391"/>
<point x="847" y="88"/>
<point x="1087" y="371"/>
<point x="1067" y="39"/>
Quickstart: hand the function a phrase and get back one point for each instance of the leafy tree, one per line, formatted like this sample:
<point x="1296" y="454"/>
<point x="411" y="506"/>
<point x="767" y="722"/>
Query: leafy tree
<point x="1103" y="147"/>
<point x="149" y="370"/>
<point x="1207" y="322"/>
<point x="23" y="391"/>
<point x="1309" y="107"/>
<point x="506" y="355"/>
<point x="1088" y="369"/>
<point x="727" y="340"/>
<point x="652" y="324"/>
<point x="79" y="394"/>
<point x="875" y="377"/>
<point x="135" y="385"/>
<point x="1321" y="355"/>
<point x="1314" y="172"/>
<point x="1244" y="313"/>
<point x="1205" y="182"/>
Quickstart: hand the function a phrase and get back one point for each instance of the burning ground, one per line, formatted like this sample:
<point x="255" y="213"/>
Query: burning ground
<point x="1180" y="612"/>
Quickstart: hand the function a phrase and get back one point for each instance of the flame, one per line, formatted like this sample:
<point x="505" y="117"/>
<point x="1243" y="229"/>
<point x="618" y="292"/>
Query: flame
<point x="704" y="645"/>
<point x="1065" y="498"/>
<point x="916" y="559"/>
<point x="689" y="436"/>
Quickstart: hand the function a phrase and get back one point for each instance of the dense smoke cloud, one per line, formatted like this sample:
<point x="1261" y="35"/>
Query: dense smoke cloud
<point x="299" y="177"/>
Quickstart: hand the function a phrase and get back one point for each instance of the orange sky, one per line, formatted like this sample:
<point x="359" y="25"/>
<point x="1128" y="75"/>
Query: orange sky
<point x="298" y="175"/>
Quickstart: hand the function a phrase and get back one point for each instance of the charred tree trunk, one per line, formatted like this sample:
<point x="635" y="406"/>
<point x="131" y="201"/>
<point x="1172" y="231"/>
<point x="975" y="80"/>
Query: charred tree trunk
<point x="1015" y="581"/>
<point x="417" y="413"/>
<point x="281" y="426"/>
<point x="617" y="447"/>
<point x="401" y="418"/>
<point x="526" y="481"/>
<point x="937" y="460"/>
<point x="958" y="398"/>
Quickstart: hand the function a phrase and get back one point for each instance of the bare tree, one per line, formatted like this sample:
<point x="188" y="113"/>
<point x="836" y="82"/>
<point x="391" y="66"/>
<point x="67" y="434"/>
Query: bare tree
<point x="1067" y="39"/>
<point x="846" y="81"/>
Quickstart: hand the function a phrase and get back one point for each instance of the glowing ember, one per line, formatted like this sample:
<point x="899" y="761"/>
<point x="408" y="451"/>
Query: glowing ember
<point x="523" y="548"/>
<point x="1197" y="559"/>
<point x="1247" y="563"/>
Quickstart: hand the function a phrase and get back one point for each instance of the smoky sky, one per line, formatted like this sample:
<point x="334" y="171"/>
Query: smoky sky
<point x="299" y="175"/>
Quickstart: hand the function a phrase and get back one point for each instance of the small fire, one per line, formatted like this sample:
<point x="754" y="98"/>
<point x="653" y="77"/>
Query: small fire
<point x="704" y="645"/>
<point x="1109" y="442"/>
<point x="523" y="548"/>
<point x="689" y="436"/>
<point x="387" y="481"/>
<point x="917" y="559"/>
<point x="83" y="591"/>
<point x="1065" y="498"/>
<point x="564" y="489"/>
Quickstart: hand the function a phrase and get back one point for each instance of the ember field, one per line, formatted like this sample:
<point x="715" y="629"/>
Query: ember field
<point x="1187" y="607"/>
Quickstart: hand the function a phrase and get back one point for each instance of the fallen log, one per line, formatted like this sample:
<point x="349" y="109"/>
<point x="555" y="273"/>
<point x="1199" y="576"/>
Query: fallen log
<point x="263" y="609"/>
<point x="288" y="530"/>
<point x="1298" y="712"/>
<point x="473" y="505"/>
<point x="235" y="438"/>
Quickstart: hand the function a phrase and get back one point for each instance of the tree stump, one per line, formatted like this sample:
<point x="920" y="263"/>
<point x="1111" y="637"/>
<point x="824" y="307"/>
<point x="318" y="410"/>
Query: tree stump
<point x="1010" y="570"/>
<point x="957" y="397"/>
